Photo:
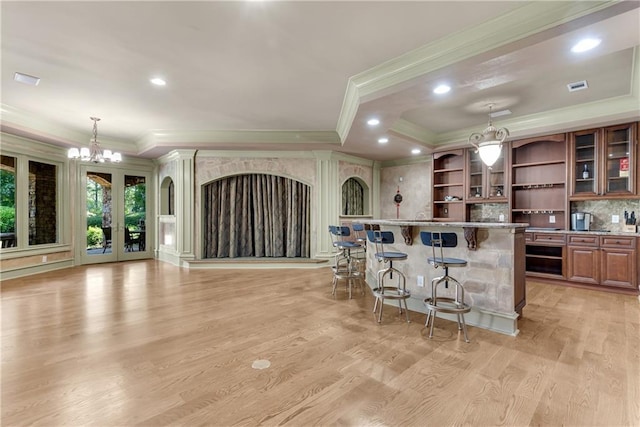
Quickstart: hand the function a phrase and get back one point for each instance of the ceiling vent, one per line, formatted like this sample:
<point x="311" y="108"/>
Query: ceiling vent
<point x="500" y="113"/>
<point x="26" y="79"/>
<point x="577" y="86"/>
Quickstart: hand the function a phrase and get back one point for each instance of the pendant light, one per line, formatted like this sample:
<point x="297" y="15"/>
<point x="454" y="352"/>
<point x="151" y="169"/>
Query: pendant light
<point x="94" y="153"/>
<point x="489" y="143"/>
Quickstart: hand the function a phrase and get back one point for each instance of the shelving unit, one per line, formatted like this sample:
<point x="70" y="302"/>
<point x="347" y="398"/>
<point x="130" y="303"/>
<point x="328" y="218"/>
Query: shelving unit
<point x="545" y="260"/>
<point x="610" y="155"/>
<point x="538" y="177"/>
<point x="448" y="186"/>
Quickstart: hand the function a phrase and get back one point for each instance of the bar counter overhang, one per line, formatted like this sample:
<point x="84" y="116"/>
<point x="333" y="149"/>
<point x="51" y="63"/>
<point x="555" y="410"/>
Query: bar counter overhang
<point x="494" y="278"/>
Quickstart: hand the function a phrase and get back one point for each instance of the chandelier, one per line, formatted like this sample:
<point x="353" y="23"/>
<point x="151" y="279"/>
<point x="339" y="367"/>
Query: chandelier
<point x="94" y="153"/>
<point x="489" y="143"/>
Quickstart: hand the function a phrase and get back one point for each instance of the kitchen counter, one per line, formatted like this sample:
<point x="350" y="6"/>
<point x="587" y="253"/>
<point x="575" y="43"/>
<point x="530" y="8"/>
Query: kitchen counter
<point x="494" y="277"/>
<point x="592" y="232"/>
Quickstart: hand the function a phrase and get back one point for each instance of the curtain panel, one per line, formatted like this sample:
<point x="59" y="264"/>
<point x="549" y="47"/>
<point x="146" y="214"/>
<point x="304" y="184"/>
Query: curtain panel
<point x="352" y="198"/>
<point x="256" y="215"/>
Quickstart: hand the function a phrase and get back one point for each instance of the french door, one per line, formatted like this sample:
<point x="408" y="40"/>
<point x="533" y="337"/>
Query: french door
<point x="114" y="218"/>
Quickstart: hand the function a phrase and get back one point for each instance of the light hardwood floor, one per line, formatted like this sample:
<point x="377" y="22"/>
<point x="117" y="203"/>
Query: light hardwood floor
<point x="147" y="343"/>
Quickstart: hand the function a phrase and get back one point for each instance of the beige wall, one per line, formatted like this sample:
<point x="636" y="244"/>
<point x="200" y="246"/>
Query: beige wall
<point x="415" y="189"/>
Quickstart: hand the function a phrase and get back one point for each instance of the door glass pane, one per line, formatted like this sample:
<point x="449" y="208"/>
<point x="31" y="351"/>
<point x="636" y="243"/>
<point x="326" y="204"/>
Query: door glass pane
<point x="99" y="213"/>
<point x="585" y="167"/>
<point x="135" y="213"/>
<point x="43" y="223"/>
<point x="618" y="156"/>
<point x="8" y="201"/>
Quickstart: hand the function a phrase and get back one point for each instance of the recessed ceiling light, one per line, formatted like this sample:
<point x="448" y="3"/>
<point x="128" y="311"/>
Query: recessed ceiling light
<point x="26" y="79"/>
<point x="416" y="151"/>
<point x="158" y="81"/>
<point x="383" y="140"/>
<point x="373" y="122"/>
<point x="585" y="45"/>
<point x="440" y="89"/>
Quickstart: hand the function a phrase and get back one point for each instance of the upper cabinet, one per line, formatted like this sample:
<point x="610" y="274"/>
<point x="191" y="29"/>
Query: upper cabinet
<point x="604" y="162"/>
<point x="448" y="186"/>
<point x="484" y="183"/>
<point x="538" y="178"/>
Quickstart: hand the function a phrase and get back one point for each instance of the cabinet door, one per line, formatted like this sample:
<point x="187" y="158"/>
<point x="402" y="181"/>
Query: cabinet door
<point x="618" y="267"/>
<point x="485" y="184"/>
<point x="584" y="265"/>
<point x="620" y="162"/>
<point x="584" y="161"/>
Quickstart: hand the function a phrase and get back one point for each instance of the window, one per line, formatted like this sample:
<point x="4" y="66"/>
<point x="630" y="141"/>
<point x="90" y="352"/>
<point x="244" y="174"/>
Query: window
<point x="8" y="201"/>
<point x="43" y="211"/>
<point x="29" y="202"/>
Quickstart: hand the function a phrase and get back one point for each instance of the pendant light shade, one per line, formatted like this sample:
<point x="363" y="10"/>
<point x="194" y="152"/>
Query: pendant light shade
<point x="489" y="143"/>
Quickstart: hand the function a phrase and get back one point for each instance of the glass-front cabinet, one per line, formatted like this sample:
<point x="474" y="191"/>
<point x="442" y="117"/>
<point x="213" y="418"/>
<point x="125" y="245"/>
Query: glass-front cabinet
<point x="604" y="162"/>
<point x="620" y="162"/>
<point x="484" y="183"/>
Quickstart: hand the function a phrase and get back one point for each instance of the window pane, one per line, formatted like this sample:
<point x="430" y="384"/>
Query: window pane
<point x="99" y="213"/>
<point x="135" y="212"/>
<point x="8" y="201"/>
<point x="43" y="221"/>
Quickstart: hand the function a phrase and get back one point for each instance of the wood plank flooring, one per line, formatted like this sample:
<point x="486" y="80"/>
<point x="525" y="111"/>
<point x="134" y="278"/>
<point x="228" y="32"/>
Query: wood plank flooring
<point x="146" y="343"/>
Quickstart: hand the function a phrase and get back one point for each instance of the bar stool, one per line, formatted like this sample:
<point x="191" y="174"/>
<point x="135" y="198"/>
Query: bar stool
<point x="398" y="292"/>
<point x="345" y="266"/>
<point x="436" y="304"/>
<point x="358" y="232"/>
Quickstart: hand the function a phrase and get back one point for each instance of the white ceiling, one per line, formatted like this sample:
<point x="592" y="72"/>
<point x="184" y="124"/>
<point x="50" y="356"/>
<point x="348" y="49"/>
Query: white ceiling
<point x="307" y="75"/>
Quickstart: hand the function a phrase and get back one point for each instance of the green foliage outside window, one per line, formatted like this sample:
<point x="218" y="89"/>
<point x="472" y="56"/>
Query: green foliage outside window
<point x="7" y="201"/>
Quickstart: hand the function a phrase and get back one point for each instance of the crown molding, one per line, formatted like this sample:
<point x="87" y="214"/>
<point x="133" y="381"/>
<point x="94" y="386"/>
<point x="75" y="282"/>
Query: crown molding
<point x="527" y="20"/>
<point x="19" y="122"/>
<point x="203" y="138"/>
<point x="413" y="132"/>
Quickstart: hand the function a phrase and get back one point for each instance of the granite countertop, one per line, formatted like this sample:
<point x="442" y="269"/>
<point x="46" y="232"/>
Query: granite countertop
<point x="427" y="223"/>
<point x="591" y="232"/>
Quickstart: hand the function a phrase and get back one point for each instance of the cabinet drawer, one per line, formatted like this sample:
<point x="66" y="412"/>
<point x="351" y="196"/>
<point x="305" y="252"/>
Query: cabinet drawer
<point x="583" y="240"/>
<point x="625" y="242"/>
<point x="549" y="238"/>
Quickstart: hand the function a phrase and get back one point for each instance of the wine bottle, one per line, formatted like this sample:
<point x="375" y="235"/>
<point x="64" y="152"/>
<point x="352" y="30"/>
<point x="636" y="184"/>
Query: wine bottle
<point x="585" y="172"/>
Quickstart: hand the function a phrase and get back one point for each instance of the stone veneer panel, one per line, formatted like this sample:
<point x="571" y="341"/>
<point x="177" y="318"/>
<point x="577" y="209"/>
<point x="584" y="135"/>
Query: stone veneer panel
<point x="212" y="168"/>
<point x="602" y="210"/>
<point x="348" y="170"/>
<point x="415" y="189"/>
<point x="488" y="276"/>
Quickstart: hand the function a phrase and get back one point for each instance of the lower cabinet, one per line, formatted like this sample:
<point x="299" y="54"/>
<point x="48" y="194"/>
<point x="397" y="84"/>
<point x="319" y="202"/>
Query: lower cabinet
<point x="584" y="265"/>
<point x="602" y="260"/>
<point x="618" y="268"/>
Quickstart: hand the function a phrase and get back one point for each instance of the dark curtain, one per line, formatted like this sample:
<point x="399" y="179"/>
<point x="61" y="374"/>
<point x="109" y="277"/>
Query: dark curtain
<point x="352" y="197"/>
<point x="256" y="215"/>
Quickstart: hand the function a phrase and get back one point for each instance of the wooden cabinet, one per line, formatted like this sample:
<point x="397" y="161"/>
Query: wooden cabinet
<point x="602" y="260"/>
<point x="484" y="183"/>
<point x="619" y="261"/>
<point x="583" y="258"/>
<point x="538" y="177"/>
<point x="448" y="186"/>
<point x="604" y="162"/>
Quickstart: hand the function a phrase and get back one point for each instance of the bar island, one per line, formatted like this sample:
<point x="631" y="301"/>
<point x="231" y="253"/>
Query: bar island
<point x="494" y="278"/>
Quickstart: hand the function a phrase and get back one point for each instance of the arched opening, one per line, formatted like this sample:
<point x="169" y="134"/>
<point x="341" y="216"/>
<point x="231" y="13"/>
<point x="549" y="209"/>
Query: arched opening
<point x="167" y="197"/>
<point x="355" y="197"/>
<point x="256" y="215"/>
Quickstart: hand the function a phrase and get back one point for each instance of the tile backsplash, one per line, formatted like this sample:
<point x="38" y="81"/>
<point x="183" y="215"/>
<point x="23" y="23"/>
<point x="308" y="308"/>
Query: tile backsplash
<point x="602" y="211"/>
